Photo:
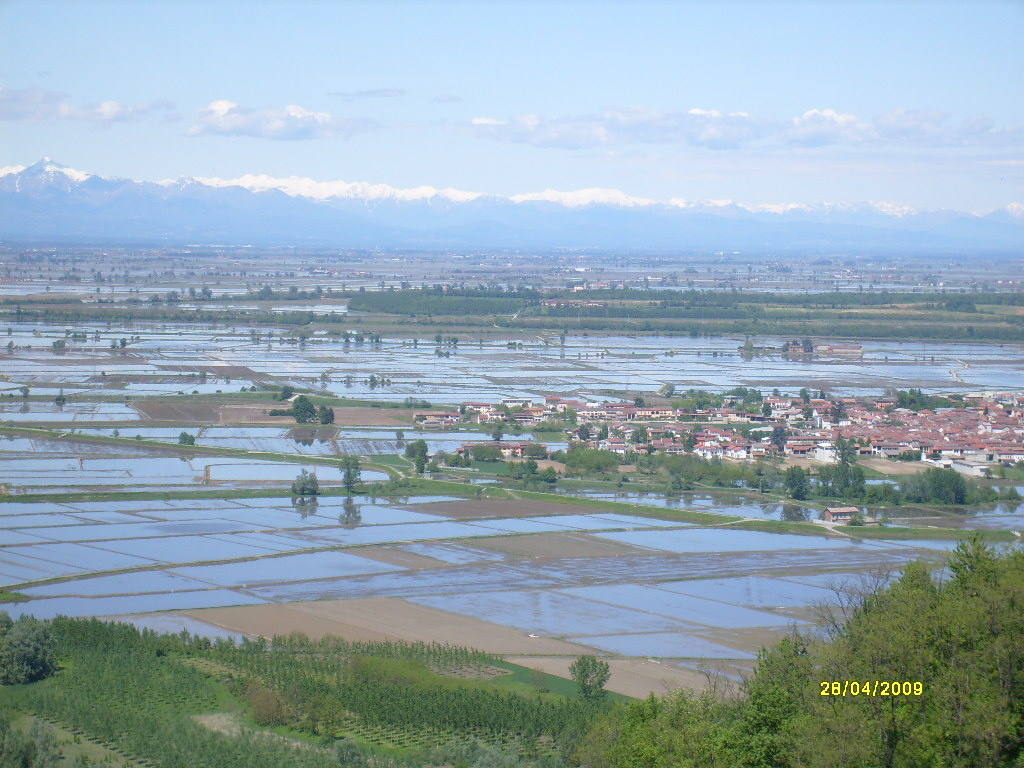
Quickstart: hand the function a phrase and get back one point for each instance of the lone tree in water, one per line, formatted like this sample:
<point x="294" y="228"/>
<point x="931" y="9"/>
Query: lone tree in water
<point x="350" y="472"/>
<point x="305" y="484"/>
<point x="590" y="675"/>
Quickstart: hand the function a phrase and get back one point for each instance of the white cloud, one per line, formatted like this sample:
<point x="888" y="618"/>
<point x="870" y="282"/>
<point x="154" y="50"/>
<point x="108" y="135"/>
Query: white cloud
<point x="717" y="130"/>
<point x="292" y="122"/>
<point x="30" y="105"/>
<point x="615" y="126"/>
<point x="819" y="127"/>
<point x="34" y="105"/>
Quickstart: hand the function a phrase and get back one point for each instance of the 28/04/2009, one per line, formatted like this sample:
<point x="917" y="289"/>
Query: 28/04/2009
<point x="871" y="688"/>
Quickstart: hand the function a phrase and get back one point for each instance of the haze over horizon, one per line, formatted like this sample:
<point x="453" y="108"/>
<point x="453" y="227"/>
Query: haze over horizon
<point x="915" y="104"/>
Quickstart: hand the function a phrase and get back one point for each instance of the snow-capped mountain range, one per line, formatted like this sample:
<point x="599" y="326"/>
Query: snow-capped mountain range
<point x="49" y="202"/>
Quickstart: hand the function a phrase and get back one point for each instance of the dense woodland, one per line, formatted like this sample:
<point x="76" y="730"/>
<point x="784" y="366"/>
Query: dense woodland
<point x="925" y="672"/>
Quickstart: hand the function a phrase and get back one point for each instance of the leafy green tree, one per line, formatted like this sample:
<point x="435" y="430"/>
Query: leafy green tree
<point x="185" y="438"/>
<point x="350" y="472"/>
<point x="690" y="441"/>
<point x="936" y="485"/>
<point x="779" y="435"/>
<point x="27" y="650"/>
<point x="325" y="415"/>
<point x="306" y="484"/>
<point x="765" y="734"/>
<point x="535" y="451"/>
<point x="303" y="410"/>
<point x="486" y="452"/>
<point x="590" y="674"/>
<point x="796" y="482"/>
<point x="584" y="461"/>
<point x="548" y="475"/>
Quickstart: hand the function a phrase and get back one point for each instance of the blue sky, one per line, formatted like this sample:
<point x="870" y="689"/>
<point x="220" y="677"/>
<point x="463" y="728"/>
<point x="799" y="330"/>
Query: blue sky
<point x="918" y="103"/>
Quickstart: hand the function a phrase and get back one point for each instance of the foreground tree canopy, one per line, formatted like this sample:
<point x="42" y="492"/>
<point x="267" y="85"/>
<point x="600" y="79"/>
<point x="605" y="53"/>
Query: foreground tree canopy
<point x="957" y="640"/>
<point x="26" y="650"/>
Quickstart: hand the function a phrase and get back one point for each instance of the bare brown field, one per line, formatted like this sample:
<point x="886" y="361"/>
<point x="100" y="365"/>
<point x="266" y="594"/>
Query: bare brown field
<point x="256" y="413"/>
<point x="556" y="545"/>
<point x="380" y="618"/>
<point x="887" y="467"/>
<point x="371" y="417"/>
<point x="496" y="508"/>
<point x="387" y="618"/>
<point x="203" y="411"/>
<point x="632" y="677"/>
<point x="393" y="556"/>
<point x="747" y="639"/>
<point x="558" y="466"/>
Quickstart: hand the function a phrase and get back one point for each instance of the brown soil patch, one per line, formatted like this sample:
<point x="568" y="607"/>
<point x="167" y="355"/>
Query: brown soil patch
<point x="633" y="677"/>
<point x="556" y="545"/>
<point x="257" y="413"/>
<point x="749" y="639"/>
<point x="393" y="556"/>
<point x="473" y="671"/>
<point x="379" y="618"/>
<point x="203" y="411"/>
<point x="496" y="508"/>
<point x="372" y="417"/>
<point x="220" y="722"/>
<point x="229" y="724"/>
<point x="558" y="466"/>
<point x="887" y="467"/>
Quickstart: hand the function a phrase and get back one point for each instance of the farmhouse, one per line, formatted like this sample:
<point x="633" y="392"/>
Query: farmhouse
<point x="839" y="514"/>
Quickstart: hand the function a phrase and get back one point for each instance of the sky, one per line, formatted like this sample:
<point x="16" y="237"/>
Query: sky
<point x="915" y="103"/>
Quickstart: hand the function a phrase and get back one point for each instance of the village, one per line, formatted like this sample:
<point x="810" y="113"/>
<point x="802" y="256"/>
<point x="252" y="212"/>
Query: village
<point x="974" y="436"/>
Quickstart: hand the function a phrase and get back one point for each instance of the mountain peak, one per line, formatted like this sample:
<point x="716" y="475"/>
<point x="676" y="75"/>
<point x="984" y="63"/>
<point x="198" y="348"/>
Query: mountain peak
<point x="51" y="168"/>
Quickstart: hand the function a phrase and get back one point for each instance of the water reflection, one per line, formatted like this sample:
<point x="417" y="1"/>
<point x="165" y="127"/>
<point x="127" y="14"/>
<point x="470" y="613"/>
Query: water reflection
<point x="794" y="514"/>
<point x="350" y="515"/>
<point x="305" y="505"/>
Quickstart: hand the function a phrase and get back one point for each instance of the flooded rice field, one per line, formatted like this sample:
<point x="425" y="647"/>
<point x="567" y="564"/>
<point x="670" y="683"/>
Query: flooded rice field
<point x="612" y="582"/>
<point x="599" y="580"/>
<point x="313" y="441"/>
<point x="1002" y="516"/>
<point x="184" y="358"/>
<point x="33" y="465"/>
